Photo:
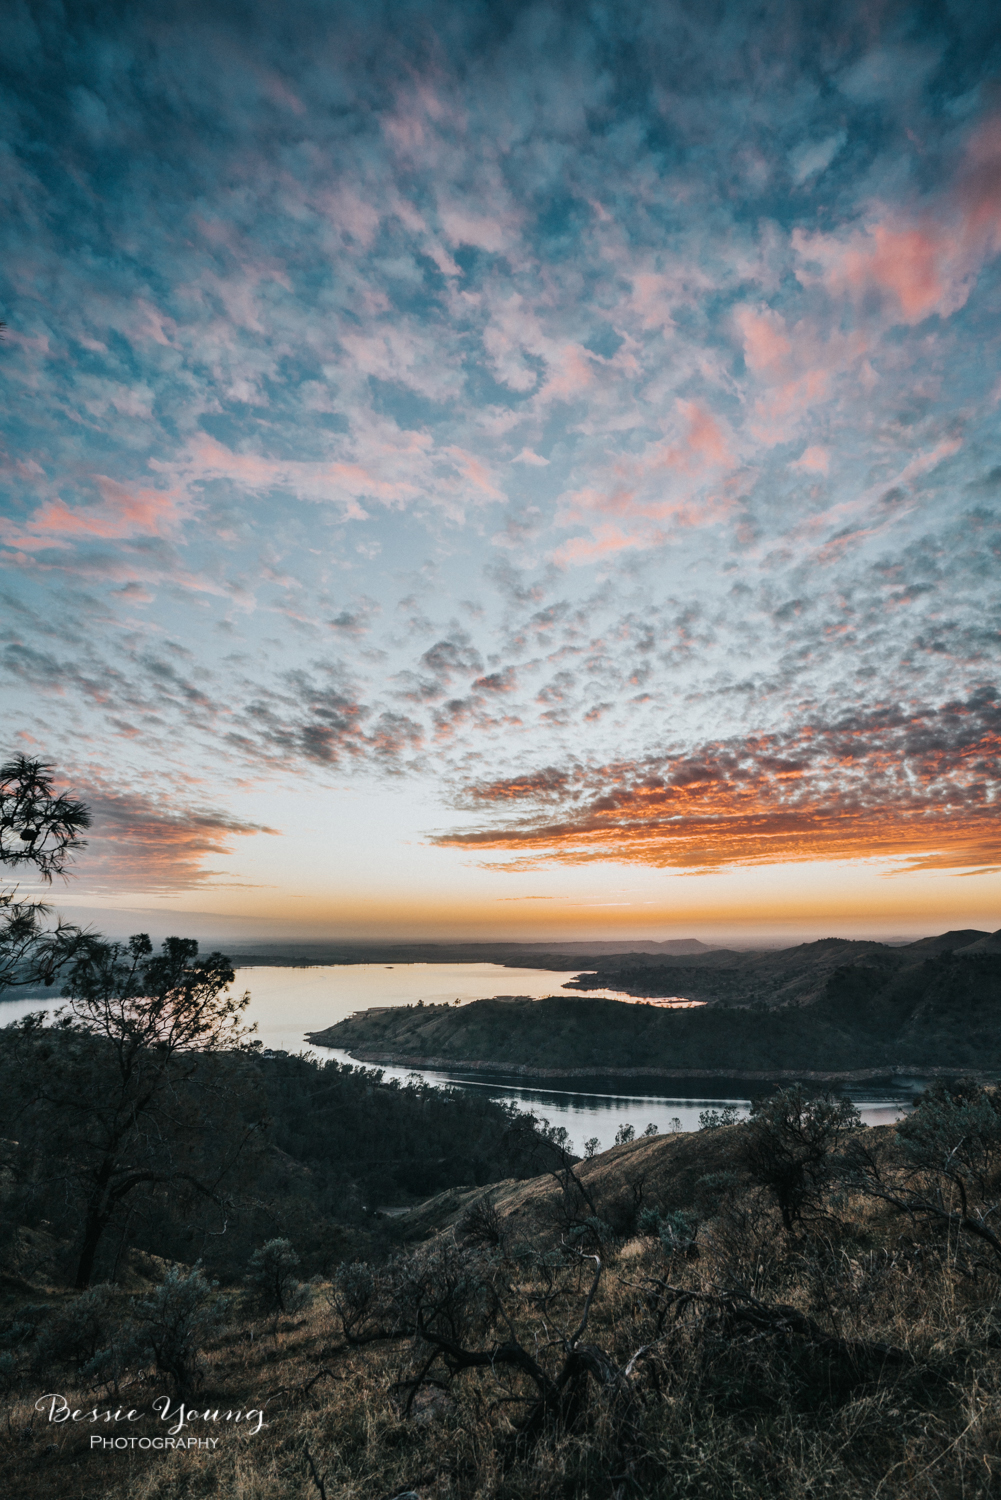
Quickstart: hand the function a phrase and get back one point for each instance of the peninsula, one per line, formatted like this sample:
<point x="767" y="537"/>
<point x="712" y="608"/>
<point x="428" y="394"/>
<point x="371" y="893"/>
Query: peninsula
<point x="828" y="1010"/>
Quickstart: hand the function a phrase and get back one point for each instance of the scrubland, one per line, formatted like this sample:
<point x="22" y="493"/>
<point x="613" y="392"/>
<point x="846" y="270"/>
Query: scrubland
<point x="773" y="1309"/>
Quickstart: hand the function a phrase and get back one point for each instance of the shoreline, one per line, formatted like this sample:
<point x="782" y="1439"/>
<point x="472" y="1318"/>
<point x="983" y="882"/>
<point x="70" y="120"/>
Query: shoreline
<point x="886" y="1074"/>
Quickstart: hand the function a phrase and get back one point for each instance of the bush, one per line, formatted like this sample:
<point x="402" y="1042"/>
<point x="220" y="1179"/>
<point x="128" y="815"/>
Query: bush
<point x="80" y="1330"/>
<point x="355" y="1297"/>
<point x="271" y="1281"/>
<point x="955" y="1129"/>
<point x="170" y="1327"/>
<point x="676" y="1230"/>
<point x="17" y="1342"/>
<point x="481" y="1224"/>
<point x="789" y="1146"/>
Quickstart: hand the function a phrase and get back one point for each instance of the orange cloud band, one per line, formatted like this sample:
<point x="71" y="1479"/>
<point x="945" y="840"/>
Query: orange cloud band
<point x="923" y="786"/>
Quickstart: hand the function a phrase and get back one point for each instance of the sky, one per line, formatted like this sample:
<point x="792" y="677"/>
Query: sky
<point x="507" y="470"/>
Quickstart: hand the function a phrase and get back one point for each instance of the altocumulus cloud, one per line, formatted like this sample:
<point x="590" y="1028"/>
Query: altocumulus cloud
<point x="904" y="780"/>
<point x="594" y="411"/>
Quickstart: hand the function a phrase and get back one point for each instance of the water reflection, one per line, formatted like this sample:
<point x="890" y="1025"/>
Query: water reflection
<point x="288" y="1002"/>
<point x="600" y="1112"/>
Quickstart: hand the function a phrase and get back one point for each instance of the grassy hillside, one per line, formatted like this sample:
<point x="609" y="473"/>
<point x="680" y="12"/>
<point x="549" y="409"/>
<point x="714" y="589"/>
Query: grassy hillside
<point x="645" y="1330"/>
<point x="880" y="1012"/>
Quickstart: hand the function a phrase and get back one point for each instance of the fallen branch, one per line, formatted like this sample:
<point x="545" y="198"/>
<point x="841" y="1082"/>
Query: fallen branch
<point x="316" y="1477"/>
<point x="747" y="1315"/>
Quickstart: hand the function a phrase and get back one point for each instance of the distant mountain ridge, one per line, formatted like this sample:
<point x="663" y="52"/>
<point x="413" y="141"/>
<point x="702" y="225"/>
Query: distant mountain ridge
<point x="516" y="955"/>
<point x="834" y="1007"/>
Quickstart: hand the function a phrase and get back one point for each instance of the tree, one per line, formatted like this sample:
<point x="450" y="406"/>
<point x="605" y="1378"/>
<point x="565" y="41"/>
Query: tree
<point x="789" y="1144"/>
<point x="41" y="829"/>
<point x="137" y="1088"/>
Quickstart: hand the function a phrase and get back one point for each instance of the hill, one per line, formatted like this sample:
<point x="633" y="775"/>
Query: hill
<point x="786" y="976"/>
<point x="887" y="1009"/>
<point x="648" y="1315"/>
<point x="551" y="954"/>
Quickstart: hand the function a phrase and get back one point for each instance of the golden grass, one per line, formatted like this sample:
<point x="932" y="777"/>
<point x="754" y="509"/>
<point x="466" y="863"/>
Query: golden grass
<point x="712" y="1415"/>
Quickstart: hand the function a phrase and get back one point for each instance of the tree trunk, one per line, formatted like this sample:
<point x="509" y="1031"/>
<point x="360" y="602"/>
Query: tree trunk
<point x="94" y="1228"/>
<point x="95" y="1223"/>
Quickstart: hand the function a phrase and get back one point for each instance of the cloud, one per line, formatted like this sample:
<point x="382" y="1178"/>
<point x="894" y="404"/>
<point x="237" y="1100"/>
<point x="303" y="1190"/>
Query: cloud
<point x="813" y="460"/>
<point x="899" y="781"/>
<point x="151" y="845"/>
<point x="812" y="157"/>
<point x="297" y="307"/>
<point x="123" y="513"/>
<point x="925" y="260"/>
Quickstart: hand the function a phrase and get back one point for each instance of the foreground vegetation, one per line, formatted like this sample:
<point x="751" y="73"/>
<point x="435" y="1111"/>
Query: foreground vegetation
<point x="109" y="1144"/>
<point x="793" y="1306"/>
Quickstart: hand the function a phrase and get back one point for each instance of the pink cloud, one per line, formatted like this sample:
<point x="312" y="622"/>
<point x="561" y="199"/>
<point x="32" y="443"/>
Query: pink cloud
<point x="571" y="373"/>
<point x="927" y="263"/>
<point x="766" y="346"/>
<point x="352" y="214"/>
<point x="604" y="541"/>
<point x="908" y="263"/>
<point x="393" y="467"/>
<point x="705" y="438"/>
<point x="666" y="484"/>
<point x="777" y="415"/>
<point x="464" y="228"/>
<point x="475" y="472"/>
<point x="124" y="512"/>
<point x="279" y="93"/>
<point x="813" y="460"/>
<point x="154" y="324"/>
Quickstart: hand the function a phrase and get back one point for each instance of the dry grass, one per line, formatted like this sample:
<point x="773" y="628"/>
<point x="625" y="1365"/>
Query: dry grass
<point x="709" y="1412"/>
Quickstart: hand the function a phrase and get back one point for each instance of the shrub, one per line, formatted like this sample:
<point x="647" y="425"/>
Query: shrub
<point x="481" y="1224"/>
<point x="789" y="1146"/>
<point x="648" y="1221"/>
<point x="355" y="1297"/>
<point x="676" y="1230"/>
<point x="955" y="1129"/>
<point x="17" y="1342"/>
<point x="80" y="1330"/>
<point x="170" y="1327"/>
<point x="715" y="1119"/>
<point x="271" y="1282"/>
<point x="624" y="1133"/>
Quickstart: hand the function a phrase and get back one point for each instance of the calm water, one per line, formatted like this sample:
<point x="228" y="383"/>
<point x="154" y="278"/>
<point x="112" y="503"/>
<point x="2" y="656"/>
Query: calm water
<point x="288" y="1002"/>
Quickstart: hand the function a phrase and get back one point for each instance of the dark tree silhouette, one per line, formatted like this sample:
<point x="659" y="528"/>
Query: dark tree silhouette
<point x="37" y="826"/>
<point x="39" y="829"/>
<point x="788" y="1145"/>
<point x="134" y="1090"/>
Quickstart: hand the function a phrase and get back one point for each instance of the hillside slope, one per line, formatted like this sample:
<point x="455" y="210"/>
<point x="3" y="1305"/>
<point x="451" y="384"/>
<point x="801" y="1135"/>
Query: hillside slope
<point x="786" y="976"/>
<point x="879" y="1013"/>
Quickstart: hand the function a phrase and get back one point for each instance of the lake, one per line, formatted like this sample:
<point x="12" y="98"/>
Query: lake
<point x="288" y="1002"/>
